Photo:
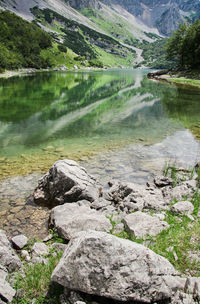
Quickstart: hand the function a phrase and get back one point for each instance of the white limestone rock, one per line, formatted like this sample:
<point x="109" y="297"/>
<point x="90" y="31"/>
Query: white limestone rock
<point x="19" y="241"/>
<point x="6" y="291"/>
<point x="101" y="264"/>
<point x="140" y="224"/>
<point x="8" y="257"/>
<point x="184" y="207"/>
<point x="69" y="219"/>
<point x="66" y="182"/>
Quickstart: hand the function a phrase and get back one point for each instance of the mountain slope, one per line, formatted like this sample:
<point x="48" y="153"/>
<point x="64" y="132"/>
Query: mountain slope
<point x="152" y="13"/>
<point x="113" y="32"/>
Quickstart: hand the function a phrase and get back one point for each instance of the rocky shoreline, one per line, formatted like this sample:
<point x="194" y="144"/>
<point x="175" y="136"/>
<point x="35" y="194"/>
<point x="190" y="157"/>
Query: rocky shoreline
<point x="62" y="68"/>
<point x="179" y="78"/>
<point x="108" y="239"/>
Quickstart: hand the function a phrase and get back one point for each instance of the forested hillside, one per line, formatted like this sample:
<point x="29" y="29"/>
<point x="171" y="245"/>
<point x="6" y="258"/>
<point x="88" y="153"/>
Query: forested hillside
<point x="21" y="43"/>
<point x="26" y="45"/>
<point x="184" y="46"/>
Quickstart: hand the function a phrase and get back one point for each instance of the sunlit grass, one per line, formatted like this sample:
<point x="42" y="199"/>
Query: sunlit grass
<point x="183" y="80"/>
<point x="36" y="281"/>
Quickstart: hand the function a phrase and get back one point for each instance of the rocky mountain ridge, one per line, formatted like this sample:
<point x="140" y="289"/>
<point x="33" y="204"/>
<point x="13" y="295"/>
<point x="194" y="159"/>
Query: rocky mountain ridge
<point x="164" y="15"/>
<point x="128" y="27"/>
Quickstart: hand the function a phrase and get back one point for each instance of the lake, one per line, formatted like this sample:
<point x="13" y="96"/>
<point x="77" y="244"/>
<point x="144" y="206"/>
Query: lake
<point x="116" y="123"/>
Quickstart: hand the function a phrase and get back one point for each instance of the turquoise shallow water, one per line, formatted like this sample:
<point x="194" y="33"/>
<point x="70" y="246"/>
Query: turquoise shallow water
<point x="117" y="123"/>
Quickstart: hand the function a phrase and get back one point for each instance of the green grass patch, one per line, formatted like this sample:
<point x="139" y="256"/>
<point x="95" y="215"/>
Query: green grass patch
<point x="56" y="57"/>
<point x="196" y="202"/>
<point x="126" y="235"/>
<point x="183" y="80"/>
<point x="35" y="283"/>
<point x="177" y="242"/>
<point x="114" y="60"/>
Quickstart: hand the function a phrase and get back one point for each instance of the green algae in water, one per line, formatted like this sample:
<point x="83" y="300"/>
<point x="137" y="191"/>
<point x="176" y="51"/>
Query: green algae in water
<point x="48" y="116"/>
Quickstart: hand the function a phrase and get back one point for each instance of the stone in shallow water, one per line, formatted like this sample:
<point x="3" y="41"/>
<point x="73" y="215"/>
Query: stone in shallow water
<point x="66" y="182"/>
<point x="140" y="225"/>
<point x="101" y="264"/>
<point x="69" y="219"/>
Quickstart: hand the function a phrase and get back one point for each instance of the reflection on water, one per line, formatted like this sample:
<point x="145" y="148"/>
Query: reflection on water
<point x="56" y="108"/>
<point x="116" y="123"/>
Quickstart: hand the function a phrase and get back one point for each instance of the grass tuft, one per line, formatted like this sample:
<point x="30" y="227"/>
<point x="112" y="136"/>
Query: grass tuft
<point x="35" y="282"/>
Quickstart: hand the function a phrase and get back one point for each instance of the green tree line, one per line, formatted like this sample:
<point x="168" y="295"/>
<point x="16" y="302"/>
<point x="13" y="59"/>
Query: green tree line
<point x="184" y="45"/>
<point x="21" y="43"/>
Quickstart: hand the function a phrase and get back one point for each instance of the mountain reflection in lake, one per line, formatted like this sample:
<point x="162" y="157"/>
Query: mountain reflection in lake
<point x="117" y="123"/>
<point x="47" y="116"/>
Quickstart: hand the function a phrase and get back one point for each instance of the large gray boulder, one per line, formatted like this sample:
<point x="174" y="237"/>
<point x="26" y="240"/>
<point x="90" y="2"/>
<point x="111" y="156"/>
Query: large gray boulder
<point x="66" y="182"/>
<point x="69" y="219"/>
<point x="101" y="264"/>
<point x="8" y="257"/>
<point x="140" y="224"/>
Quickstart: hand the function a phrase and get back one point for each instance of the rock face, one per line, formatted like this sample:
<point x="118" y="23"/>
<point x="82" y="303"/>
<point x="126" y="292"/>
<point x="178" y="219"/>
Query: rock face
<point x="66" y="182"/>
<point x="69" y="219"/>
<point x="100" y="264"/>
<point x="8" y="258"/>
<point x="141" y="225"/>
<point x="166" y="15"/>
<point x="77" y="4"/>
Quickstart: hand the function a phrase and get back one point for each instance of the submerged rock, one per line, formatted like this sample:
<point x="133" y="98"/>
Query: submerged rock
<point x="66" y="182"/>
<point x="69" y="219"/>
<point x="101" y="264"/>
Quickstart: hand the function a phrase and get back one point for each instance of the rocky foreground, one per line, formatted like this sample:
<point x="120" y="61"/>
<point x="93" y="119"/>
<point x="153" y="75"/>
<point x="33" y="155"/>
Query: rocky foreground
<point x="97" y="266"/>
